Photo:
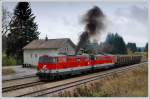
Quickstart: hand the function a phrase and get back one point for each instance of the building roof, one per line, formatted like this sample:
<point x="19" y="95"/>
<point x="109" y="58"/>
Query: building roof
<point x="49" y="43"/>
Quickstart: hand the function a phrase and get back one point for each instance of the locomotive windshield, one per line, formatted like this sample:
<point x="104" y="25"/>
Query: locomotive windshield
<point x="47" y="59"/>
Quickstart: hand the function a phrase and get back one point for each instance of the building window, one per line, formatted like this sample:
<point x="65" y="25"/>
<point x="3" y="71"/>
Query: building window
<point x="66" y="49"/>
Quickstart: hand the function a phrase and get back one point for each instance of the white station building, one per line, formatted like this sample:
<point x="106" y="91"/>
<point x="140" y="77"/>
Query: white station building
<point x="37" y="48"/>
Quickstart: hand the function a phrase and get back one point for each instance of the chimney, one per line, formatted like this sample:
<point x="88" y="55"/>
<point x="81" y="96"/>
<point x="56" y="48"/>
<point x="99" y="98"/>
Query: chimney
<point x="46" y="38"/>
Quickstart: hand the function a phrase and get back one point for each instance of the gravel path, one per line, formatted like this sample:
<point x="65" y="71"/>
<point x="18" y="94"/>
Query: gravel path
<point x="20" y="72"/>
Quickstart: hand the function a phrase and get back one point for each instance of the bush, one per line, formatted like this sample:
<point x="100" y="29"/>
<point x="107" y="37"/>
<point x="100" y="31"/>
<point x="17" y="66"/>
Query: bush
<point x="7" y="61"/>
<point x="19" y="61"/>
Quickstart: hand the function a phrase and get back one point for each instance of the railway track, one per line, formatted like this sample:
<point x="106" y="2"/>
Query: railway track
<point x="19" y="83"/>
<point x="6" y="89"/>
<point x="49" y="89"/>
<point x="22" y="77"/>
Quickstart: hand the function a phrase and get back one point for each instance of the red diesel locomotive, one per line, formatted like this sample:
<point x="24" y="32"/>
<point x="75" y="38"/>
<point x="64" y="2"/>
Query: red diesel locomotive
<point x="51" y="67"/>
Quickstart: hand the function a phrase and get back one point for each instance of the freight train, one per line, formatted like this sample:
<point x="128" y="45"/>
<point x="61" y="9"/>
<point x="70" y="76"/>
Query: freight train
<point x="52" y="67"/>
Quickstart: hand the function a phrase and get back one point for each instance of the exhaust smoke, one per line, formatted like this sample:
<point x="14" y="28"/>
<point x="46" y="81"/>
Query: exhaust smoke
<point x="94" y="24"/>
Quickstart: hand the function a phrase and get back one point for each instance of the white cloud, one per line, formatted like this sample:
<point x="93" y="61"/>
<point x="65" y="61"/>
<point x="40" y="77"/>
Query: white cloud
<point x="138" y="13"/>
<point x="130" y="23"/>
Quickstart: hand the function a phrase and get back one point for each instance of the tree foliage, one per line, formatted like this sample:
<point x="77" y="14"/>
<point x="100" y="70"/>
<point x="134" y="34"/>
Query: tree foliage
<point x="114" y="44"/>
<point x="6" y="21"/>
<point x="23" y="30"/>
<point x="146" y="47"/>
<point x="132" y="47"/>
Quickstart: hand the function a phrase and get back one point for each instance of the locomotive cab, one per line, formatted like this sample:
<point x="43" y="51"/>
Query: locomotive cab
<point x="47" y="62"/>
<point x="45" y="65"/>
<point x="48" y="66"/>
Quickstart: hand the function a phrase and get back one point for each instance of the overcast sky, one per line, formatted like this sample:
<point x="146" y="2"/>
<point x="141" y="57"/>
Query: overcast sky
<point x="63" y="19"/>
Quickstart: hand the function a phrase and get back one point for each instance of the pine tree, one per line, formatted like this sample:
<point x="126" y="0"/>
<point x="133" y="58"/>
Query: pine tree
<point x="114" y="44"/>
<point x="23" y="30"/>
<point x="146" y="48"/>
<point x="132" y="47"/>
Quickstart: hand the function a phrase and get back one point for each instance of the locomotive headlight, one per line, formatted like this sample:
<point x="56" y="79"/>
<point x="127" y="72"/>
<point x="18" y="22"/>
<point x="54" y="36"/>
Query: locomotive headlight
<point x="44" y="69"/>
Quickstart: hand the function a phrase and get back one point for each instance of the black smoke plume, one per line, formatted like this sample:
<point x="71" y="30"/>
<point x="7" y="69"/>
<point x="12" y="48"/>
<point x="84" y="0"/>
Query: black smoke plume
<point x="94" y="23"/>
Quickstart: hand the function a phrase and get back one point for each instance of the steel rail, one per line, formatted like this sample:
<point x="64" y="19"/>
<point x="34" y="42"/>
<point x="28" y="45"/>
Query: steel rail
<point x="19" y="82"/>
<point x="6" y="89"/>
<point x="22" y="77"/>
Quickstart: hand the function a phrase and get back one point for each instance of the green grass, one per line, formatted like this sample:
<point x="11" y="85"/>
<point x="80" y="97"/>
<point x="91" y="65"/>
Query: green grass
<point x="129" y="84"/>
<point x="7" y="61"/>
